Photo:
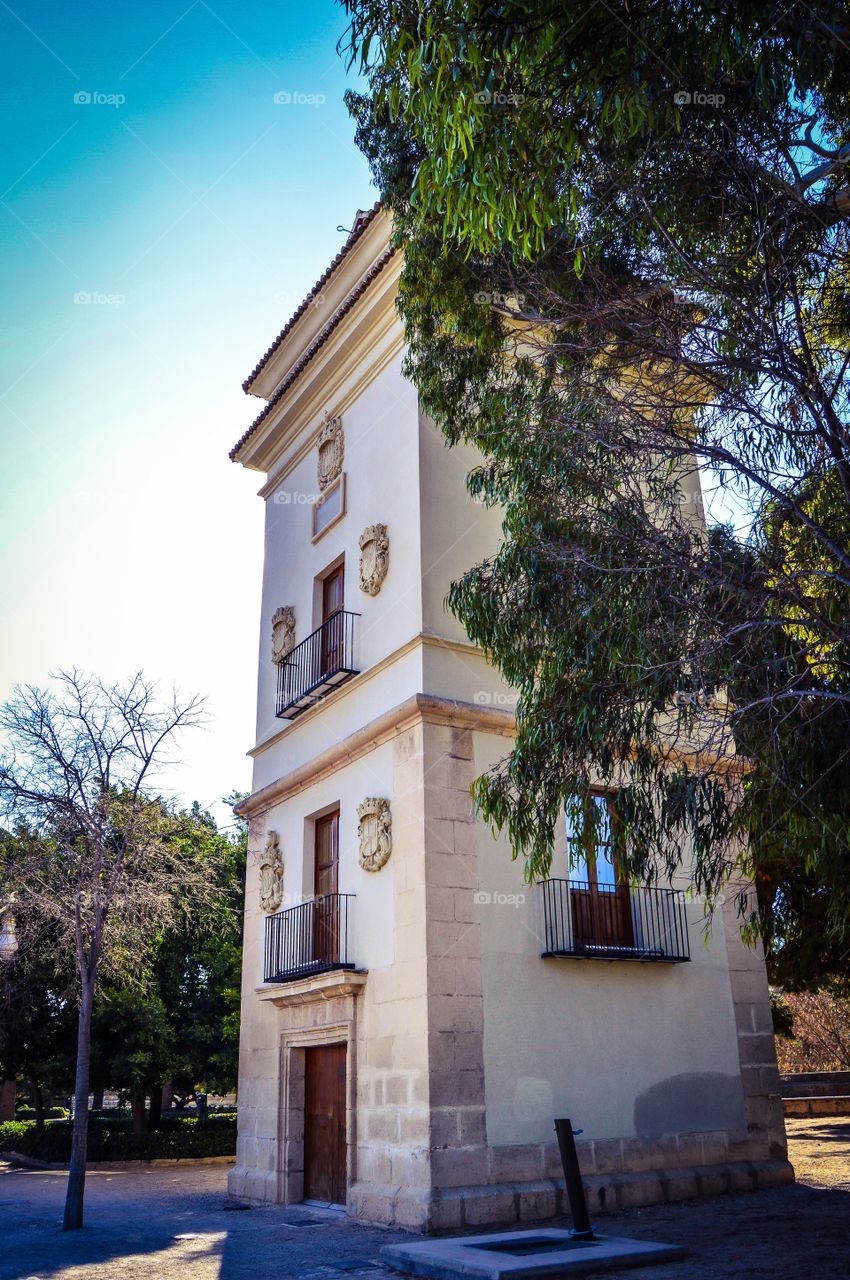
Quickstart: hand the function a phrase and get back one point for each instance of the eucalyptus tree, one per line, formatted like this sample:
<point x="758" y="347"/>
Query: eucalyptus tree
<point x="625" y="231"/>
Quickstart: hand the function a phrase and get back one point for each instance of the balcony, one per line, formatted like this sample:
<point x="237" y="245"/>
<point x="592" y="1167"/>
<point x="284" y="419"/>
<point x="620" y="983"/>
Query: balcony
<point x="308" y="939"/>
<point x="614" y="922"/>
<point x="317" y="666"/>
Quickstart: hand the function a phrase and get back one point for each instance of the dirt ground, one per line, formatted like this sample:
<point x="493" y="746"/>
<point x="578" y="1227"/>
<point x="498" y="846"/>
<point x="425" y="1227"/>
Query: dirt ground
<point x="172" y="1223"/>
<point x="820" y="1152"/>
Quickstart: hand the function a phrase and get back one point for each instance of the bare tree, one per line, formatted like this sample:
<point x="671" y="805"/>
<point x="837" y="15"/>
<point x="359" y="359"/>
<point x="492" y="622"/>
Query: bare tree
<point x="820" y="1035"/>
<point x="80" y="759"/>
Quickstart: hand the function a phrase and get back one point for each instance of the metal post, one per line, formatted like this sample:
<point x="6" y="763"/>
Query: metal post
<point x="582" y="1230"/>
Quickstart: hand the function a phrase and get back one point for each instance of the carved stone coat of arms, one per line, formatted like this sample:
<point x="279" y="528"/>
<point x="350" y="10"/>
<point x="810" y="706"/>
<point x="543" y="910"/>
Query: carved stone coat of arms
<point x="331" y="452"/>
<point x="271" y="874"/>
<point x="283" y="632"/>
<point x="376" y="833"/>
<point x="374" y="558"/>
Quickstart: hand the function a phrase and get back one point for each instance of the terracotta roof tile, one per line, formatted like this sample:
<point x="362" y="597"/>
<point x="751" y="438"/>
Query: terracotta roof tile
<point x="320" y="339"/>
<point x="361" y="222"/>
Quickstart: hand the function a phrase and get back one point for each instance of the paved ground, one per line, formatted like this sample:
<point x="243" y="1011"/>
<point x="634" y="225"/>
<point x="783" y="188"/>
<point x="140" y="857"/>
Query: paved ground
<point x="174" y="1224"/>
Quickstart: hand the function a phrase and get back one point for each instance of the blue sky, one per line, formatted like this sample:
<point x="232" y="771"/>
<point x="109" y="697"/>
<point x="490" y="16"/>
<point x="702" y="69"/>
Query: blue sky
<point x="162" y="216"/>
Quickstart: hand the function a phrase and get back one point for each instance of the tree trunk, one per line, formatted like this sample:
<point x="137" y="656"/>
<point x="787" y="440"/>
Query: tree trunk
<point x="168" y="1096"/>
<point x="137" y="1110"/>
<point x="79" y="1135"/>
<point x="8" y="1095"/>
<point x="155" y="1114"/>
<point x="97" y="1100"/>
<point x="37" y="1100"/>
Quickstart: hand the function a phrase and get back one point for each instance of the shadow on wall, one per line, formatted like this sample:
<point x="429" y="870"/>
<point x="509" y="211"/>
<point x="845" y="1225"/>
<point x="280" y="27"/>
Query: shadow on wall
<point x="693" y="1102"/>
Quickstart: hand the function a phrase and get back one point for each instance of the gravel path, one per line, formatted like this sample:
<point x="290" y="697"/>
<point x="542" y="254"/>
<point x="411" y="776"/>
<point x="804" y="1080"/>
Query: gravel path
<point x="172" y="1223"/>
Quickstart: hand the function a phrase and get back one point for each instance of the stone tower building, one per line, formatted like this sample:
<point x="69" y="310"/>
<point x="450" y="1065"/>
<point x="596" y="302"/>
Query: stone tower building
<point x="414" y="1015"/>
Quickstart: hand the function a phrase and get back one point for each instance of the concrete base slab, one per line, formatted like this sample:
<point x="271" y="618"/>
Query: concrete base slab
<point x="524" y="1255"/>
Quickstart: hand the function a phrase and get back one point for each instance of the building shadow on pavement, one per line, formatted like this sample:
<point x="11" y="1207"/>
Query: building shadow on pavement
<point x="180" y="1225"/>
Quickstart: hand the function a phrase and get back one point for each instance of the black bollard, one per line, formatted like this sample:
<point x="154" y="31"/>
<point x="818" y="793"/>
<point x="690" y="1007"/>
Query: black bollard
<point x="582" y="1230"/>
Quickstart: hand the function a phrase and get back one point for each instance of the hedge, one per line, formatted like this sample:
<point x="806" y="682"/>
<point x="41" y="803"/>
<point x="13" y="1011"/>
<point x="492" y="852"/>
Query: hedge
<point x="50" y="1113"/>
<point x="182" y="1138"/>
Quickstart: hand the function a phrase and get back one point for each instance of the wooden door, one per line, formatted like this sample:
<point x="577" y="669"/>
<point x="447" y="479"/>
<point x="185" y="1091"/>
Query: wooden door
<point x="324" y="1124"/>
<point x="602" y="916"/>
<point x="325" y="890"/>
<point x="333" y="618"/>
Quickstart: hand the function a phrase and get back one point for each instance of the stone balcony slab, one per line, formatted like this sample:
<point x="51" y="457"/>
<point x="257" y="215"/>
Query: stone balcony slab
<point x="320" y="986"/>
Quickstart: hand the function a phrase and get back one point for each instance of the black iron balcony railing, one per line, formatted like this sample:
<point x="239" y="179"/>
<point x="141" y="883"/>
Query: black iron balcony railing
<point x="614" y="922"/>
<point x="317" y="665"/>
<point x="311" y="938"/>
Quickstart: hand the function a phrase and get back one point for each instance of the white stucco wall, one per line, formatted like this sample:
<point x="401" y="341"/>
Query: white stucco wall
<point x="457" y="532"/>
<point x="399" y="472"/>
<point x="381" y="467"/>
<point x="338" y="716"/>
<point x="372" y="909"/>
<point x="624" y="1049"/>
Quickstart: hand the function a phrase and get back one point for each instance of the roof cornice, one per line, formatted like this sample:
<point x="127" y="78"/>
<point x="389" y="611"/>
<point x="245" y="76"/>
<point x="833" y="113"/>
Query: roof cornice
<point x="362" y="223"/>
<point x="307" y="356"/>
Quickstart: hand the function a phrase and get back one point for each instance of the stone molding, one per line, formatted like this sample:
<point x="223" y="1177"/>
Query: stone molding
<point x="354" y="341"/>
<point x="420" y="708"/>
<point x="340" y="1027"/>
<point x="363" y="677"/>
<point x="324" y="986"/>
<point x="341" y="280"/>
<point x="374" y="558"/>
<point x="493" y="719"/>
<point x="300" y="441"/>
<point x="315" y="297"/>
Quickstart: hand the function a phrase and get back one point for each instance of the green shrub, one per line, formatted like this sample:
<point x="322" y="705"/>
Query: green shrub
<point x="183" y="1139"/>
<point x="50" y="1113"/>
<point x="12" y="1132"/>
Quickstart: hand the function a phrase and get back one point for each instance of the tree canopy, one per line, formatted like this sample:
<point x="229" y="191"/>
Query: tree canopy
<point x="80" y="759"/>
<point x="626" y="264"/>
<point x="173" y="1018"/>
